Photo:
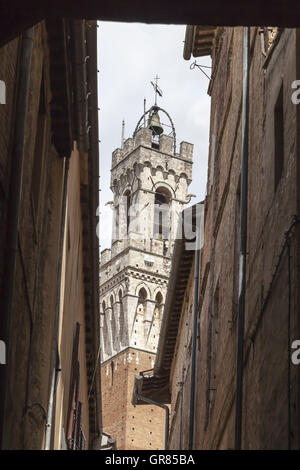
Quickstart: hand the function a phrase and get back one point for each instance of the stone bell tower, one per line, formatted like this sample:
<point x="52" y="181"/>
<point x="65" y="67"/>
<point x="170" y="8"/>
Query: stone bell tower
<point x="149" y="181"/>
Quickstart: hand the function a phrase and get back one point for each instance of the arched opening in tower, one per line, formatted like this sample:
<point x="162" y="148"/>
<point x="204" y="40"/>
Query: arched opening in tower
<point x="162" y="222"/>
<point x="127" y="194"/>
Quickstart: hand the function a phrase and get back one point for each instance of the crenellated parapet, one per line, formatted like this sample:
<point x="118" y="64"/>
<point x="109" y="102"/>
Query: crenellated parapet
<point x="186" y="151"/>
<point x="138" y="159"/>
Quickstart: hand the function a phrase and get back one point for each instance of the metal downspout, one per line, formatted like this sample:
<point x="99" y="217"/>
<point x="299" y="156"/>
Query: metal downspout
<point x="15" y="202"/>
<point x="194" y="344"/>
<point x="91" y="35"/>
<point x="243" y="242"/>
<point x="55" y="358"/>
<point x="161" y="405"/>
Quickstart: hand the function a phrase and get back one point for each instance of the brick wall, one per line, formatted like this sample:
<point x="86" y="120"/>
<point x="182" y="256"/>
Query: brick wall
<point x="29" y="348"/>
<point x="133" y="427"/>
<point x="270" y="407"/>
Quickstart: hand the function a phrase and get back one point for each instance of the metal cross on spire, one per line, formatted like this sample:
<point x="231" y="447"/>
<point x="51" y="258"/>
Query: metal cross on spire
<point x="156" y="89"/>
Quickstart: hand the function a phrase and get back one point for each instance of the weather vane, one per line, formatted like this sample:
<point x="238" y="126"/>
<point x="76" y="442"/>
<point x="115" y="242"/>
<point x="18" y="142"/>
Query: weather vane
<point x="156" y="89"/>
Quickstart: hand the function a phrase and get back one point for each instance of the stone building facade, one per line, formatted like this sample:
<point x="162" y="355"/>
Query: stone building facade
<point x="150" y="187"/>
<point x="270" y="406"/>
<point x="49" y="259"/>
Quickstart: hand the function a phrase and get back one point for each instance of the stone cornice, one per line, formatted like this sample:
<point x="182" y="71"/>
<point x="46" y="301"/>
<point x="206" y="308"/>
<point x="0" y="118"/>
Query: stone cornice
<point x="138" y="273"/>
<point x="127" y="249"/>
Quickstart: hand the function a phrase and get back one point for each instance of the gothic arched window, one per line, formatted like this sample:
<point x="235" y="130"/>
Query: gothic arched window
<point x="127" y="194"/>
<point x="106" y="339"/>
<point x="162" y="222"/>
<point x="121" y="319"/>
<point x="113" y="324"/>
<point x="142" y="300"/>
<point x="158" y="304"/>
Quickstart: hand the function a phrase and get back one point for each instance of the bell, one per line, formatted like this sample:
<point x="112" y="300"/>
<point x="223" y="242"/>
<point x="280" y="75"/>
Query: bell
<point x="155" y="125"/>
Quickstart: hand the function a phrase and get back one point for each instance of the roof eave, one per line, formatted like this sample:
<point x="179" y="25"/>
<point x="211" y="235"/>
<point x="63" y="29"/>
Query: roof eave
<point x="198" y="41"/>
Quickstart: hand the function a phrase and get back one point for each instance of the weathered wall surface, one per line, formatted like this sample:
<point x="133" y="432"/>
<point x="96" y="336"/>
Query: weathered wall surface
<point x="272" y="313"/>
<point x="72" y="311"/>
<point x="8" y="74"/>
<point x="133" y="427"/>
<point x="270" y="408"/>
<point x="29" y="349"/>
<point x="30" y="339"/>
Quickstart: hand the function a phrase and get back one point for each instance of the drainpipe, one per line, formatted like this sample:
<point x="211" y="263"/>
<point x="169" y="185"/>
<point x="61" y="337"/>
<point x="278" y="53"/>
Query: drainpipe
<point x="243" y="242"/>
<point x="161" y="405"/>
<point x="55" y="354"/>
<point x="17" y="162"/>
<point x="94" y="158"/>
<point x="194" y="345"/>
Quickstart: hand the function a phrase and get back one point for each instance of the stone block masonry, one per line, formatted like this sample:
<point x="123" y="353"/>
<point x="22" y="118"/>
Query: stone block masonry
<point x="146" y="178"/>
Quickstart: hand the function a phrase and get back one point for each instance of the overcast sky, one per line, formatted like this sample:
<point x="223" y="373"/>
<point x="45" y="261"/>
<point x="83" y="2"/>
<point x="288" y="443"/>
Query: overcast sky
<point x="129" y="57"/>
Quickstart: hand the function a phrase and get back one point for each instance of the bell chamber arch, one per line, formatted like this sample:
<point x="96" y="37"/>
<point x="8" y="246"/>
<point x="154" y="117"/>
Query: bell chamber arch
<point x="152" y="118"/>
